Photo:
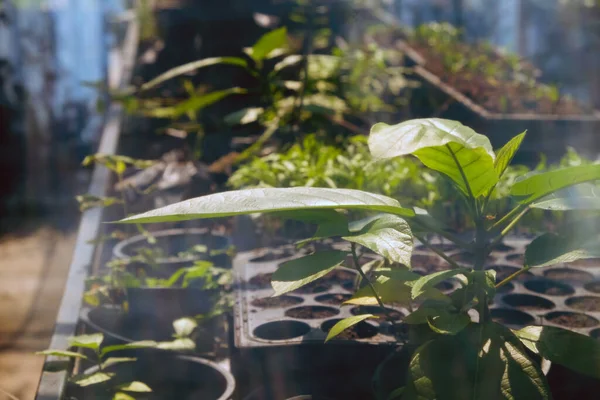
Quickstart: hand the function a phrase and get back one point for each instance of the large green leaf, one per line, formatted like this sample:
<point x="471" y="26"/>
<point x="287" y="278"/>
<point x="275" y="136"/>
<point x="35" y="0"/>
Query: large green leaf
<point x="92" y="378"/>
<point x="192" y="105"/>
<point x="61" y="353"/>
<point x="550" y="248"/>
<point x="449" y="323"/>
<point x="346" y="323"/>
<point x="578" y="352"/>
<point x="92" y="341"/>
<point x="505" y="155"/>
<point x="443" y="145"/>
<point x="389" y="290"/>
<point x="296" y="273"/>
<point x="268" y="43"/>
<point x="389" y="236"/>
<point x="191" y="67"/>
<point x="264" y="200"/>
<point x="585" y="196"/>
<point x="541" y="185"/>
<point x="421" y="285"/>
<point x="128" y="346"/>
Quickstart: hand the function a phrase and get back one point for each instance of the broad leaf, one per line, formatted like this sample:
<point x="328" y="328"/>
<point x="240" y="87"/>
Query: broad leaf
<point x="287" y="62"/>
<point x="261" y="200"/>
<point x="578" y="352"/>
<point x="584" y="196"/>
<point x="550" y="248"/>
<point x="92" y="341"/>
<point x="389" y="291"/>
<point x="244" y="116"/>
<point x="191" y="67"/>
<point x="448" y="323"/>
<point x="177" y="344"/>
<point x="133" y="345"/>
<point x="61" y="353"/>
<point x="429" y="281"/>
<point x="269" y="43"/>
<point x="134" y="386"/>
<point x="505" y="155"/>
<point x="389" y="236"/>
<point x="92" y="379"/>
<point x="117" y="360"/>
<point x="184" y="326"/>
<point x="330" y="222"/>
<point x="345" y="324"/>
<point x="541" y="185"/>
<point x="296" y="273"/>
<point x="442" y="145"/>
<point x="192" y="105"/>
<point x="122" y="396"/>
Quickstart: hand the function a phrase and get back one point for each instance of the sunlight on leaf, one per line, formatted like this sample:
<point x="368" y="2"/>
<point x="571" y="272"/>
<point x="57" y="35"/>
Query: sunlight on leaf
<point x="345" y="324"/>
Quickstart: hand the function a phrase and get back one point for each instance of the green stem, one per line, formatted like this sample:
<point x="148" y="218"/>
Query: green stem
<point x="364" y="276"/>
<point x="450" y="236"/>
<point x="437" y="251"/>
<point x="509" y="227"/>
<point x="513" y="276"/>
<point x="515" y="211"/>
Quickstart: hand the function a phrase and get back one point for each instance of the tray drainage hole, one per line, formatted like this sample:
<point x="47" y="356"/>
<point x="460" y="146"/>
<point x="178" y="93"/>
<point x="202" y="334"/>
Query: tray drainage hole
<point x="272" y="256"/>
<point x="362" y="330"/>
<point x="568" y="274"/>
<point x="592" y="287"/>
<point x="428" y="263"/>
<point x="466" y="257"/>
<point x="549" y="287"/>
<point x="334" y="299"/>
<point x="528" y="302"/>
<point x="506" y="288"/>
<point x="504" y="271"/>
<point x="395" y="315"/>
<point x="312" y="312"/>
<point x="260" y="281"/>
<point x="571" y="319"/>
<point x="314" y="287"/>
<point x="516" y="258"/>
<point x="445" y="286"/>
<point x="585" y="263"/>
<point x="503" y="248"/>
<point x="584" y="303"/>
<point x="276" y="302"/>
<point x="510" y="317"/>
<point x="281" y="330"/>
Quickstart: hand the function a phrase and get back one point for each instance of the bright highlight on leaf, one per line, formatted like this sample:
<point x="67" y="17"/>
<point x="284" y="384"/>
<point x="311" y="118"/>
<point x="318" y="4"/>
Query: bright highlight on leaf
<point x="345" y="324"/>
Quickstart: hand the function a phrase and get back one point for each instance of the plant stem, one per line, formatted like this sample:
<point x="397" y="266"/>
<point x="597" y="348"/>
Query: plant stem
<point x="498" y="225"/>
<point x="364" y="276"/>
<point x="437" y="251"/>
<point x="510" y="226"/>
<point x="513" y="276"/>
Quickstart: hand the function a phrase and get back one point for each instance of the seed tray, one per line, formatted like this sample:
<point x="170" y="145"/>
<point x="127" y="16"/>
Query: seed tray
<point x="562" y="295"/>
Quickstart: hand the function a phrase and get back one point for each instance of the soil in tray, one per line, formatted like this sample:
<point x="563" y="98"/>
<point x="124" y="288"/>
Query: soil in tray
<point x="378" y="311"/>
<point x="592" y="287"/>
<point x="528" y="302"/>
<point x="572" y="320"/>
<point x="469" y="258"/>
<point x="317" y="286"/>
<point x="507" y="316"/>
<point x="276" y="302"/>
<point x="504" y="271"/>
<point x="312" y="312"/>
<point x="516" y="258"/>
<point x="549" y="287"/>
<point x="272" y="256"/>
<point x="428" y="263"/>
<point x="584" y="303"/>
<point x="362" y="330"/>
<point x="568" y="274"/>
<point x="586" y="263"/>
<point x="334" y="299"/>
<point x="339" y="276"/>
<point x="260" y="281"/>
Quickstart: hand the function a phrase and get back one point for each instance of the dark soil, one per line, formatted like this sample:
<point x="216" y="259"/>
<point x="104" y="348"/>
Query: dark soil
<point x="428" y="263"/>
<point x="318" y="286"/>
<point x="528" y="302"/>
<point x="572" y="320"/>
<point x="260" y="281"/>
<point x="469" y="258"/>
<point x="592" y="287"/>
<point x="503" y="248"/>
<point x="276" y="302"/>
<point x="378" y="311"/>
<point x="339" y="277"/>
<point x="444" y="286"/>
<point x="506" y="288"/>
<point x="443" y="247"/>
<point x="567" y="274"/>
<point x="549" y="287"/>
<point x="272" y="256"/>
<point x="511" y="317"/>
<point x="334" y="299"/>
<point x="312" y="312"/>
<point x="584" y="303"/>
<point x="586" y="263"/>
<point x="362" y="330"/>
<point x="504" y="271"/>
<point x="516" y="258"/>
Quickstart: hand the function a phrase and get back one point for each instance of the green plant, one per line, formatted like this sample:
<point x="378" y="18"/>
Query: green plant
<point x="457" y="351"/>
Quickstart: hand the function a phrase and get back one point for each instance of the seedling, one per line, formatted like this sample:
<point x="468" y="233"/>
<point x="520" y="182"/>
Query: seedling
<point x="458" y="352"/>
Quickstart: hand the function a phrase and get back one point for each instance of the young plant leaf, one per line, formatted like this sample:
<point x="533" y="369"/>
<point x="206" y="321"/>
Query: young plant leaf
<point x="244" y="116"/>
<point x="193" y="104"/>
<point x="550" y="248"/>
<point x="135" y="386"/>
<point x="268" y="43"/>
<point x="177" y="344"/>
<point x="267" y="200"/>
<point x="421" y="285"/>
<point x="117" y="360"/>
<point x="345" y="324"/>
<point x="286" y="62"/>
<point x="584" y="196"/>
<point x="61" y="353"/>
<point x="122" y="396"/>
<point x="92" y="379"/>
<point x="389" y="290"/>
<point x="92" y="341"/>
<point x="389" y="236"/>
<point x="296" y="273"/>
<point x="578" y="352"/>
<point x="442" y="145"/>
<point x="191" y="67"/>
<point x="184" y="326"/>
<point x="505" y="155"/>
<point x="541" y="185"/>
<point x="133" y="345"/>
<point x="448" y="323"/>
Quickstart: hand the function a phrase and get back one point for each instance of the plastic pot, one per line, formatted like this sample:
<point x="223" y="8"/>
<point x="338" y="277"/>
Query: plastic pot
<point x="161" y="303"/>
<point x="172" y="242"/>
<point x="171" y="376"/>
